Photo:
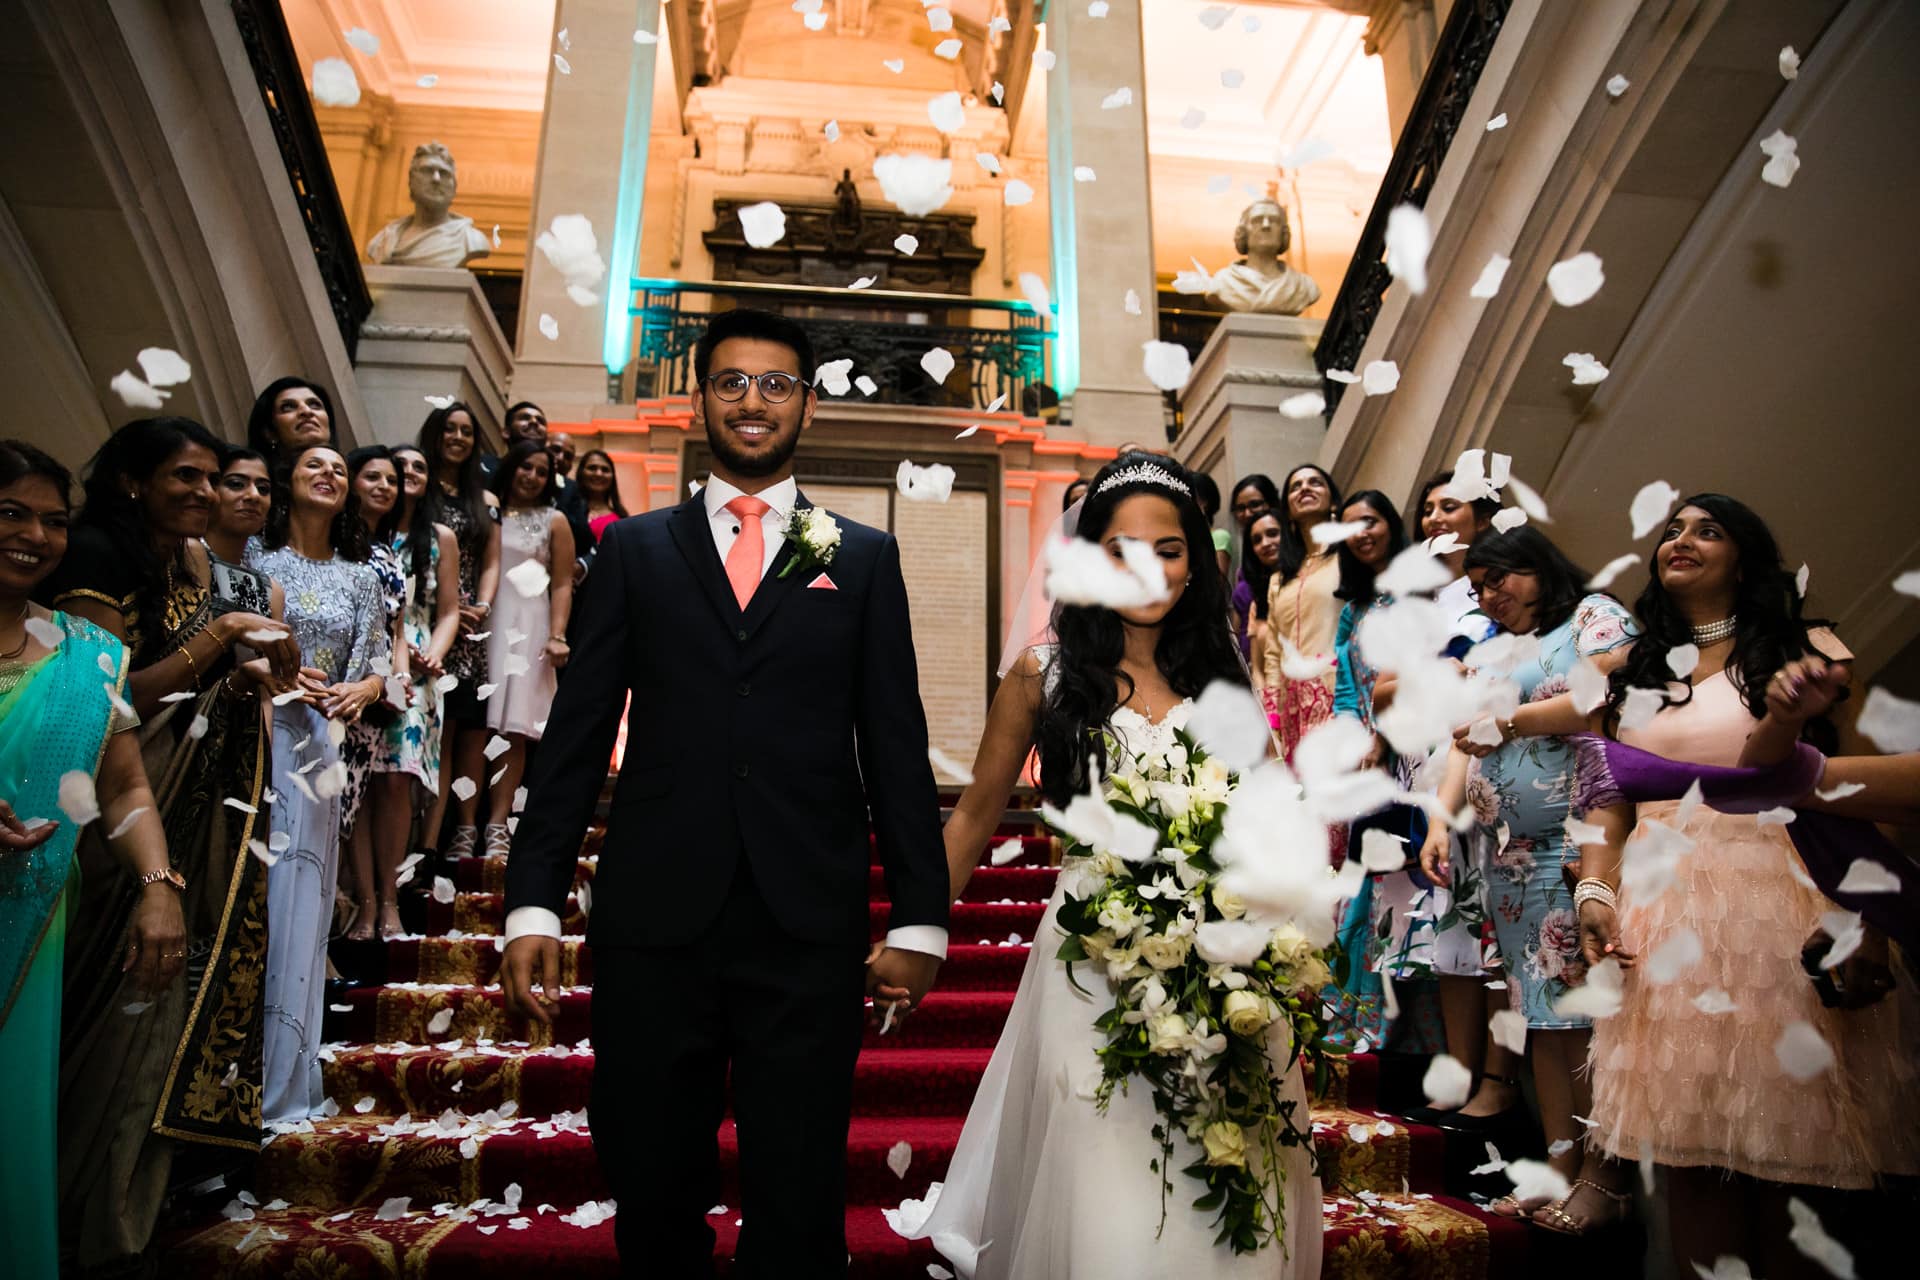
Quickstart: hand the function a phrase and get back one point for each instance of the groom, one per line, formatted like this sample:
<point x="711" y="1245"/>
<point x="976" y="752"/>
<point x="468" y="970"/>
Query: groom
<point x="776" y="714"/>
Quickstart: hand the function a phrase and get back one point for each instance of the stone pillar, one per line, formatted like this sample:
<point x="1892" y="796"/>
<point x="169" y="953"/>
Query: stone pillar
<point x="1402" y="34"/>
<point x="593" y="161"/>
<point x="430" y="333"/>
<point x="1232" y="424"/>
<point x="1103" y="230"/>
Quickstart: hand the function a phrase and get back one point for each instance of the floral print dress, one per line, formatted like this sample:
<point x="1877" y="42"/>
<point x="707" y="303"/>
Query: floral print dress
<point x="1520" y="795"/>
<point x="364" y="735"/>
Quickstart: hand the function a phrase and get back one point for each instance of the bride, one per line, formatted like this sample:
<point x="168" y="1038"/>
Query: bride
<point x="1042" y="1184"/>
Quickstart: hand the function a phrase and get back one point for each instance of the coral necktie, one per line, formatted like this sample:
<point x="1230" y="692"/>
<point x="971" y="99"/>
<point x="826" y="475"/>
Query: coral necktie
<point x="749" y="550"/>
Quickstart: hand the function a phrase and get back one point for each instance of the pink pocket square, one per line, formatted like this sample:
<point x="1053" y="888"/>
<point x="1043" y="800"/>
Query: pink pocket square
<point x="822" y="583"/>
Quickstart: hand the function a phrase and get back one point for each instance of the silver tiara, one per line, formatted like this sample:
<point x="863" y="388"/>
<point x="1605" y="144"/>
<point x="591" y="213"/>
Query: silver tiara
<point x="1146" y="473"/>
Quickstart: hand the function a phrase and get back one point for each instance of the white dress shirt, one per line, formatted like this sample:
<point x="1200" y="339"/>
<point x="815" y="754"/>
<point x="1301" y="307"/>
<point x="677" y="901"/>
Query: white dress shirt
<point x="780" y="499"/>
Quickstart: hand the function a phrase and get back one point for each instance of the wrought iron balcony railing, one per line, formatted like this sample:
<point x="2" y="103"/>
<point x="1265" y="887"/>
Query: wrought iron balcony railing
<point x="1459" y="56"/>
<point x="885" y="332"/>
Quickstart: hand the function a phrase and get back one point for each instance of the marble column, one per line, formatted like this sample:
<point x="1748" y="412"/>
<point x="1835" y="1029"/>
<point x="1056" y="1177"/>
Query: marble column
<point x="1402" y="34"/>
<point x="1103" y="230"/>
<point x="593" y="162"/>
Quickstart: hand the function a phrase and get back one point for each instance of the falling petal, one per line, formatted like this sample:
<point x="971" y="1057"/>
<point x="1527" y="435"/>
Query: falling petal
<point x="1892" y="722"/>
<point x="1017" y="192"/>
<point x="1097" y="9"/>
<point x="76" y="797"/>
<point x="134" y="393"/>
<point x="931" y="483"/>
<point x="906" y="244"/>
<point x="1447" y="1081"/>
<point x="988" y="161"/>
<point x="1036" y="290"/>
<point x="126" y="824"/>
<point x="1232" y="78"/>
<point x="1044" y="59"/>
<point x="1864" y="876"/>
<point x="1305" y="152"/>
<point x="561" y="65"/>
<point x="999" y="93"/>
<point x="1783" y="159"/>
<point x="895" y="65"/>
<point x="427" y="81"/>
<point x="1121" y="97"/>
<point x="162" y="367"/>
<point x="529" y="578"/>
<point x="1498" y="122"/>
<point x="948" y="49"/>
<point x="1231" y="724"/>
<point x="937" y="364"/>
<point x="1574" y="281"/>
<point x="334" y="84"/>
<point x="1650" y="506"/>
<point x="1167" y="364"/>
<point x="1586" y="370"/>
<point x="645" y="37"/>
<point x="1811" y="1239"/>
<point x="1192" y="118"/>
<point x="1599" y="996"/>
<point x="1491" y="277"/>
<point x="1307" y="404"/>
<point x="1008" y="850"/>
<point x="1329" y="533"/>
<point x="1214" y="15"/>
<point x="832" y="376"/>
<point x="1083" y="173"/>
<point x="864" y="282"/>
<point x="1673" y="957"/>
<point x="832" y="130"/>
<point x="867" y="385"/>
<point x="914" y="184"/>
<point x="1347" y="376"/>
<point x="1409" y="240"/>
<point x="549" y="327"/>
<point x="1509" y="1030"/>
<point x="1536" y="1179"/>
<point x="946" y="112"/>
<point x="442" y="889"/>
<point x="1803" y="1052"/>
<point x="1379" y="377"/>
<point x="368" y="43"/>
<point x="948" y="765"/>
<point x="1131" y="304"/>
<point x="939" y="19"/>
<point x="815" y="21"/>
<point x="1789" y="63"/>
<point x="1081" y="572"/>
<point x="764" y="223"/>
<point x="1617" y="85"/>
<point x="1714" y="1002"/>
<point x="1611" y="570"/>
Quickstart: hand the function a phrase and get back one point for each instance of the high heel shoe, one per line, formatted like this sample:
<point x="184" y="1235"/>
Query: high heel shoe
<point x="462" y="845"/>
<point x="394" y="928"/>
<point x="1481" y="1124"/>
<point x="499" y="839"/>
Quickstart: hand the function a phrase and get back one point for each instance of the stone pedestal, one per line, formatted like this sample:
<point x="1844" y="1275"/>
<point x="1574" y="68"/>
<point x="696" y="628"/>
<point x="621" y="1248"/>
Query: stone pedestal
<point x="430" y="334"/>
<point x="1232" y="424"/>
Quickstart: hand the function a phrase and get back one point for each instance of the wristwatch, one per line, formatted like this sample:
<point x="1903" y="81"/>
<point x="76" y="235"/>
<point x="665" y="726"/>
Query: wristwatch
<point x="167" y="874"/>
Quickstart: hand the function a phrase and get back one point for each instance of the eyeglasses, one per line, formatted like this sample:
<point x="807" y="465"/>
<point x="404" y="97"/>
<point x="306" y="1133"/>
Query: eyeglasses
<point x="1493" y="580"/>
<point x="731" y="385"/>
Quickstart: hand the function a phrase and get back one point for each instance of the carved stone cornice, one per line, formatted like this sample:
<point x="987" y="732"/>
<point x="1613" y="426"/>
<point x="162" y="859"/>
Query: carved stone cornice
<point x="377" y="331"/>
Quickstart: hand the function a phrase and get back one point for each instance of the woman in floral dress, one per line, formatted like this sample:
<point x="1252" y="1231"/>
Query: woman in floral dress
<point x="375" y="478"/>
<point x="1520" y="794"/>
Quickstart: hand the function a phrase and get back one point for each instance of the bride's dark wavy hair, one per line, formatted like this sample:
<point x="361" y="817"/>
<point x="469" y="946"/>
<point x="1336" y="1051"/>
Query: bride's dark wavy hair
<point x="1195" y="648"/>
<point x="1770" y="627"/>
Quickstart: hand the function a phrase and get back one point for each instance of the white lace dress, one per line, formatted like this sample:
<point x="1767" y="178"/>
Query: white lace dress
<point x="1043" y="1186"/>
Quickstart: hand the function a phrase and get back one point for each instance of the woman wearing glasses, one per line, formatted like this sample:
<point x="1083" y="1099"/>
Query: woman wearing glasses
<point x="1520" y="795"/>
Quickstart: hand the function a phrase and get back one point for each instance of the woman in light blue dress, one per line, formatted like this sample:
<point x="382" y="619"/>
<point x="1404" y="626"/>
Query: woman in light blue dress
<point x="315" y="546"/>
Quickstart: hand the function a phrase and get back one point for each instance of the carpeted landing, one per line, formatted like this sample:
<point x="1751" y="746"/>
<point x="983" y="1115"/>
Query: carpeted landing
<point x="458" y="1145"/>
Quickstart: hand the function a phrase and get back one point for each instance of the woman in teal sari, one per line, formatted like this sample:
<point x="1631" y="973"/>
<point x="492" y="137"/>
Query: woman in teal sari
<point x="65" y="756"/>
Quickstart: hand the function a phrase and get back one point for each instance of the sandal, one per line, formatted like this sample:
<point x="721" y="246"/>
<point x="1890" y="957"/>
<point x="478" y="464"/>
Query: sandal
<point x="462" y="846"/>
<point x="393" y="929"/>
<point x="1555" y="1218"/>
<point x="1515" y="1209"/>
<point x="499" y="839"/>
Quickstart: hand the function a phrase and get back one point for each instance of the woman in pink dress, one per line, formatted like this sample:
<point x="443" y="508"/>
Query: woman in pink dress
<point x="1723" y="1066"/>
<point x="600" y="487"/>
<point x="1301" y="611"/>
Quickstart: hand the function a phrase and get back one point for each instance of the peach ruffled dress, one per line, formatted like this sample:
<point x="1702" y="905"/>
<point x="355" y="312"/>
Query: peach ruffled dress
<point x="1690" y="1087"/>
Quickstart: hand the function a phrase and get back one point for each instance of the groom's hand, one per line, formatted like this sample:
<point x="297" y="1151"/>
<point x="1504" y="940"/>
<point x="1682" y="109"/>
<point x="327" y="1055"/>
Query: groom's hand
<point x="532" y="962"/>
<point x="900" y="978"/>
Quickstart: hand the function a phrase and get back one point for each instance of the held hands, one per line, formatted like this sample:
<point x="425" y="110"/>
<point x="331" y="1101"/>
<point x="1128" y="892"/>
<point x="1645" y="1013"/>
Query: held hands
<point x="530" y="977"/>
<point x="1600" y="935"/>
<point x="473" y="617"/>
<point x="898" y="979"/>
<point x="423" y="664"/>
<point x="1436" y="854"/>
<point x="556" y="652"/>
<point x="347" y="701"/>
<point x="1805" y="688"/>
<point x="156" y="939"/>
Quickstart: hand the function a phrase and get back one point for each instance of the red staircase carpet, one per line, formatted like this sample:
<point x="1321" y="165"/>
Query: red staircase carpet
<point x="459" y="1143"/>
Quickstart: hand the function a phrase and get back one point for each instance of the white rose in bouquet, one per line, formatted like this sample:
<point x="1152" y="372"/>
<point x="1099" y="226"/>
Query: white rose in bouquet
<point x="1228" y="903"/>
<point x="1247" y="1013"/>
<point x="1097" y="945"/>
<point x="1226" y="1144"/>
<point x="1290" y="947"/>
<point x="1122" y="963"/>
<point x="1167" y="1034"/>
<point x="1164" y="951"/>
<point x="1210" y="782"/>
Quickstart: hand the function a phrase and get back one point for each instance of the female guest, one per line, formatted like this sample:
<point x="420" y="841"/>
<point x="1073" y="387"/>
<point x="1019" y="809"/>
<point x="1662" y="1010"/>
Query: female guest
<point x="449" y="438"/>
<point x="1698" y="1071"/>
<point x="406" y="767"/>
<point x="290" y="413"/>
<point x="1075" y="491"/>
<point x="1301" y="610"/>
<point x="1465" y="1003"/>
<point x="531" y="533"/>
<point x="59" y="718"/>
<point x="1378" y="935"/>
<point x="1520" y="796"/>
<point x="184" y="1068"/>
<point x="376" y="486"/>
<point x="1259" y="556"/>
<point x="1207" y="493"/>
<point x="316" y="548"/>
<point x="240" y="502"/>
<point x="601" y="489"/>
<point x="1254" y="496"/>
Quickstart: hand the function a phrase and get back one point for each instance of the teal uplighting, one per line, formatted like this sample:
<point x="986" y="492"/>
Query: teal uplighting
<point x="1060" y="212"/>
<point x="617" y="348"/>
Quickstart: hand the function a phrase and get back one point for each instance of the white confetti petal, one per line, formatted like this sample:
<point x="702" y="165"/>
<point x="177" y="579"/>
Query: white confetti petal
<point x="1192" y="118"/>
<point x="1617" y="85"/>
<point x="163" y="368"/>
<point x="1509" y="1030"/>
<point x="438" y="1024"/>
<point x="1574" y="281"/>
<point x="948" y="49"/>
<point x="867" y="385"/>
<point x="1447" y="1082"/>
<point x="906" y="244"/>
<point x="334" y="84"/>
<point x="1498" y="122"/>
<point x="1131" y="305"/>
<point x="946" y="112"/>
<point x="76" y="797"/>
<point x="549" y="327"/>
<point x="1803" y="1052"/>
<point x="931" y="483"/>
<point x="1783" y="159"/>
<point x="1306" y="404"/>
<point x="1006" y="851"/>
<point x="832" y="130"/>
<point x="1036" y="290"/>
<point x="1347" y="376"/>
<point x="1586" y="370"/>
<point x="1892" y="722"/>
<point x="1864" y="876"/>
<point x="1409" y="240"/>
<point x="914" y="184"/>
<point x="937" y="363"/>
<point x="465" y="788"/>
<point x="864" y="282"/>
<point x="1536" y="1179"/>
<point x="529" y="578"/>
<point x="1650" y="506"/>
<point x="363" y="40"/>
<point x="1231" y="724"/>
<point x="764" y="223"/>
<point x="1081" y="572"/>
<point x="1083" y="173"/>
<point x="1379" y="377"/>
<point x="999" y="93"/>
<point x="832" y="376"/>
<point x="1811" y="1239"/>
<point x="1167" y="364"/>
<point x="1713" y="1002"/>
<point x="1508" y="518"/>
<point x="949" y="766"/>
<point x="1232" y="78"/>
<point x="895" y="65"/>
<point x="427" y="82"/>
<point x="1800" y="579"/>
<point x="1214" y="15"/>
<point x="1613" y="569"/>
<point x="1599" y="996"/>
<point x="561" y="65"/>
<point x="1121" y="97"/>
<point x="1491" y="277"/>
<point x="442" y="890"/>
<point x="1017" y="192"/>
<point x="645" y="37"/>
<point x="134" y="393"/>
<point x="393" y="1209"/>
<point x="815" y="21"/>
<point x="1673" y="957"/>
<point x="899" y="1156"/>
<point x="1840" y="791"/>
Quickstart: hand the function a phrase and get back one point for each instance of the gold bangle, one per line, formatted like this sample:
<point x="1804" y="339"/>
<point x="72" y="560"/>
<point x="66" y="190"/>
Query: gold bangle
<point x="192" y="666"/>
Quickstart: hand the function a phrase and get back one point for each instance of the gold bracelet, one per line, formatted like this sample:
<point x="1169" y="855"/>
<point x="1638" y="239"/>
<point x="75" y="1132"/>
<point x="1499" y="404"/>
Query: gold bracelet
<point x="192" y="666"/>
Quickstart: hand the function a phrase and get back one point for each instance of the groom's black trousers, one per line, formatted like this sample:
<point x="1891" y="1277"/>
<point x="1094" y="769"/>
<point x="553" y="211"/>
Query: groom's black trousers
<point x="668" y="1023"/>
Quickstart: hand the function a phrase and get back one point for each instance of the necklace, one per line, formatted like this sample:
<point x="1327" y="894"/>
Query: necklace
<point x="1713" y="632"/>
<point x="20" y="648"/>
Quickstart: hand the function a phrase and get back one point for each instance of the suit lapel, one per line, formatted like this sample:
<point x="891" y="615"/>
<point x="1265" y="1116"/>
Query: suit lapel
<point x="773" y="588"/>
<point x="695" y="540"/>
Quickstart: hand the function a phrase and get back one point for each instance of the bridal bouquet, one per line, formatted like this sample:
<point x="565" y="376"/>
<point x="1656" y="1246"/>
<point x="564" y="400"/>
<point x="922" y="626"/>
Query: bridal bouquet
<point x="1198" y="988"/>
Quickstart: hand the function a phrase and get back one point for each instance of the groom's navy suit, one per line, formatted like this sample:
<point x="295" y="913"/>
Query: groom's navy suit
<point x="729" y="915"/>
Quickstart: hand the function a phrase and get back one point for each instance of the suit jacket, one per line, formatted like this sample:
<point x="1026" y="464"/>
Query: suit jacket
<point x="772" y="736"/>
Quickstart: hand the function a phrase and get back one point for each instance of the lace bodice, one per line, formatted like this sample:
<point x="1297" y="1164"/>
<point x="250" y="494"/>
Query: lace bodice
<point x="1142" y="740"/>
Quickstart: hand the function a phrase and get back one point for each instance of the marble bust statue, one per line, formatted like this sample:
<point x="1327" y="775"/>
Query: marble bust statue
<point x="432" y="235"/>
<point x="1260" y="281"/>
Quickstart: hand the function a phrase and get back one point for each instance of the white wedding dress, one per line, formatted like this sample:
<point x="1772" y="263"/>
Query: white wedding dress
<point x="1043" y="1186"/>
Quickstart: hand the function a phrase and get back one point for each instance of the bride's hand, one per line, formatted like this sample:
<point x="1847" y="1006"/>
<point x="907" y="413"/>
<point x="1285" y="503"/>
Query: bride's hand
<point x="1600" y="935"/>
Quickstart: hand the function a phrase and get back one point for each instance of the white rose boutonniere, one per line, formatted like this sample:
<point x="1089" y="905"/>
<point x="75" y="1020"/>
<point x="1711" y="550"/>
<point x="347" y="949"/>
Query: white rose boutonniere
<point x="814" y="537"/>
